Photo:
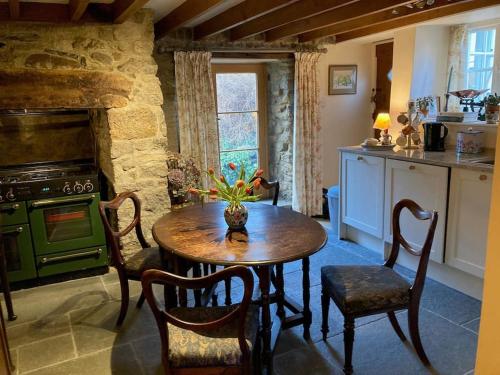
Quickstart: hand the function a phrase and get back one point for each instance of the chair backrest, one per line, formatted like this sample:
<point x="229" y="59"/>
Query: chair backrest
<point x="268" y="186"/>
<point x="113" y="236"/>
<point x="398" y="240"/>
<point x="163" y="317"/>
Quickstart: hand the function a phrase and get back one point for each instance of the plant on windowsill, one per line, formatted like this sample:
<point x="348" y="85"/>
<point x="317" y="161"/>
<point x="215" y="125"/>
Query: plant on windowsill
<point x="235" y="214"/>
<point x="424" y="104"/>
<point x="491" y="108"/>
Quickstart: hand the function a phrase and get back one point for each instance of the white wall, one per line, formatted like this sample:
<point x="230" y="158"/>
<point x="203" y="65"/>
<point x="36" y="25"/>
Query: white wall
<point x="345" y="119"/>
<point x="430" y="61"/>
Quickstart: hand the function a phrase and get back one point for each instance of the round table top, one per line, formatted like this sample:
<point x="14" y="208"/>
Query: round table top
<point x="273" y="235"/>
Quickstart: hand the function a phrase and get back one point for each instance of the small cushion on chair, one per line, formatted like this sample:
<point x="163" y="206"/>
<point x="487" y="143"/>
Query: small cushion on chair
<point x="217" y="347"/>
<point x="144" y="259"/>
<point x="360" y="290"/>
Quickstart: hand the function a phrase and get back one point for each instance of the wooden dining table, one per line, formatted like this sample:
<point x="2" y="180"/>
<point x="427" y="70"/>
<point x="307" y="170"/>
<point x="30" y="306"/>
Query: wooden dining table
<point x="272" y="236"/>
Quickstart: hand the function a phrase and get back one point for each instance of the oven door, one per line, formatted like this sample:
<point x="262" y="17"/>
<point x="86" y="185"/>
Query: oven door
<point x="18" y="252"/>
<point x="67" y="223"/>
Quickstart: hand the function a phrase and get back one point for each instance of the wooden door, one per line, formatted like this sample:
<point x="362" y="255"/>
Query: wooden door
<point x="427" y="185"/>
<point x="468" y="216"/>
<point x="382" y="94"/>
<point x="362" y="179"/>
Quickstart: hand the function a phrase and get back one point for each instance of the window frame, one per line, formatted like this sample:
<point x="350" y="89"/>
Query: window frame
<point x="495" y="55"/>
<point x="262" y="106"/>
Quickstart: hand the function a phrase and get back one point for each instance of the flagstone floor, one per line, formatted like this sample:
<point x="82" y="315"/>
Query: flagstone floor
<point x="68" y="328"/>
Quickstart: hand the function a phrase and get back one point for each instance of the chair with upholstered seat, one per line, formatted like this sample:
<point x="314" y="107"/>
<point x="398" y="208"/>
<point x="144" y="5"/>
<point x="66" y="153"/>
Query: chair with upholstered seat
<point x="130" y="268"/>
<point x="206" y="340"/>
<point x="366" y="290"/>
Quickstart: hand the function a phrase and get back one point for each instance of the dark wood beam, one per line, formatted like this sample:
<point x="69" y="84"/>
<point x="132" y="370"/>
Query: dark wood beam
<point x="369" y="20"/>
<point x="77" y="8"/>
<point x="14" y="9"/>
<point x="181" y="15"/>
<point x="296" y="11"/>
<point x="422" y="16"/>
<point x="361" y="8"/>
<point x="123" y="9"/>
<point x="243" y="12"/>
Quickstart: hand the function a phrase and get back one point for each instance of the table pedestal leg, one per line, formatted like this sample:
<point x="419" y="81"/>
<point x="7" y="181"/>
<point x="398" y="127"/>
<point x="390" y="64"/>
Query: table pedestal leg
<point x="264" y="273"/>
<point x="280" y="291"/>
<point x="306" y="297"/>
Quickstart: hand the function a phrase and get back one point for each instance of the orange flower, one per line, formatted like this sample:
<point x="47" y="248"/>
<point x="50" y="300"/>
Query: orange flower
<point x="232" y="166"/>
<point x="193" y="191"/>
<point x="210" y="171"/>
<point x="256" y="184"/>
<point x="248" y="190"/>
<point x="213" y="191"/>
<point x="240" y="183"/>
<point x="259" y="172"/>
<point x="222" y="179"/>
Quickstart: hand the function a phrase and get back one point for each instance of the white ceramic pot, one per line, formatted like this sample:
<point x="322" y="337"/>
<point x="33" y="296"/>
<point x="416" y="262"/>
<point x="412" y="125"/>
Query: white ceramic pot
<point x="470" y="141"/>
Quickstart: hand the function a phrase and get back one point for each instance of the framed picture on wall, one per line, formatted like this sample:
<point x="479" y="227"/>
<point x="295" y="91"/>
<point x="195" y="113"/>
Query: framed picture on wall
<point x="342" y="79"/>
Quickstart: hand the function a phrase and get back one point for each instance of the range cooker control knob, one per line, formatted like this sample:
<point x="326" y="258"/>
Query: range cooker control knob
<point x="10" y="195"/>
<point x="88" y="187"/>
<point x="78" y="188"/>
<point x="67" y="189"/>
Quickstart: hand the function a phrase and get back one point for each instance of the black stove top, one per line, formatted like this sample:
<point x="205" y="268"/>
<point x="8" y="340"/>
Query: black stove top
<point x="48" y="180"/>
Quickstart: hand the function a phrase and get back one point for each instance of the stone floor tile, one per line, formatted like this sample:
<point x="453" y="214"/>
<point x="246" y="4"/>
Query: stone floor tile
<point x="304" y="360"/>
<point x="46" y="301"/>
<point x="378" y="350"/>
<point x="148" y="352"/>
<point x="111" y="277"/>
<point x="115" y="293"/>
<point x="473" y="325"/>
<point x="117" y="360"/>
<point x="95" y="328"/>
<point x="44" y="328"/>
<point x="14" y="359"/>
<point x="45" y="353"/>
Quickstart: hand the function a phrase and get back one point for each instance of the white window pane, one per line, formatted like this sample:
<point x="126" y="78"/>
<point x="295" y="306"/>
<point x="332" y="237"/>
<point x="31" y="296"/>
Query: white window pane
<point x="236" y="92"/>
<point x="238" y="131"/>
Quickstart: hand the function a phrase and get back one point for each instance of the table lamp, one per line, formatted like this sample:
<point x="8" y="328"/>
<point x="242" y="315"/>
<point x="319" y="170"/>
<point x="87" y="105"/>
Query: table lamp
<point x="383" y="123"/>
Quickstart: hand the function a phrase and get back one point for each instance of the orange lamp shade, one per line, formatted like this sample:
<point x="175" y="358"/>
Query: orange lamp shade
<point x="382" y="122"/>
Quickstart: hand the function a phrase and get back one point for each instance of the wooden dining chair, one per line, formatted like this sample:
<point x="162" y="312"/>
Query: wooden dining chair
<point x="275" y="277"/>
<point x="206" y="340"/>
<point x="130" y="268"/>
<point x="367" y="290"/>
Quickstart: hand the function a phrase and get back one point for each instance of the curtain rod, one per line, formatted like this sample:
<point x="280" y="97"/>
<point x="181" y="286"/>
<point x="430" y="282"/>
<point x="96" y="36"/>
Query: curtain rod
<point x="245" y="50"/>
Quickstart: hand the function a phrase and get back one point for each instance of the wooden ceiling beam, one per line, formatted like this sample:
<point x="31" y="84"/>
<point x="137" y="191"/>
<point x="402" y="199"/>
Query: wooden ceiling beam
<point x="359" y="9"/>
<point x="77" y="8"/>
<point x="243" y="12"/>
<point x="369" y="20"/>
<point x="123" y="9"/>
<point x="14" y="10"/>
<point x="181" y="15"/>
<point x="296" y="11"/>
<point x="422" y="16"/>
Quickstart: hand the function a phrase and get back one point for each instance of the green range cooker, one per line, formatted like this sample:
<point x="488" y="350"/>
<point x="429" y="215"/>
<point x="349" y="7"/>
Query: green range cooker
<point x="49" y="219"/>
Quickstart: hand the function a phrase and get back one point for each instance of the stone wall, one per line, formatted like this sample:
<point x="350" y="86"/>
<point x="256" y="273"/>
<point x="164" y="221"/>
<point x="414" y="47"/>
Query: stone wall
<point x="280" y="94"/>
<point x="131" y="130"/>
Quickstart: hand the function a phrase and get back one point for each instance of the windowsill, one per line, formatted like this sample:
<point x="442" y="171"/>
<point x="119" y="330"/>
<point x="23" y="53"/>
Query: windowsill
<point x="479" y="124"/>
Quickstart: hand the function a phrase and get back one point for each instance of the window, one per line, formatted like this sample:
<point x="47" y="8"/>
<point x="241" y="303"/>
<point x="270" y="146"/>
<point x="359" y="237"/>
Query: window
<point x="480" y="58"/>
<point x="241" y="113"/>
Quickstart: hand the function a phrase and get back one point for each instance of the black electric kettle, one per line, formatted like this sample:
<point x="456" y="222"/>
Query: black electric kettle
<point x="434" y="135"/>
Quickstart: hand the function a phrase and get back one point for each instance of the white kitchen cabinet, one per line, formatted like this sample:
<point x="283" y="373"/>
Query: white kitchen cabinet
<point x="427" y="185"/>
<point x="362" y="190"/>
<point x="468" y="216"/>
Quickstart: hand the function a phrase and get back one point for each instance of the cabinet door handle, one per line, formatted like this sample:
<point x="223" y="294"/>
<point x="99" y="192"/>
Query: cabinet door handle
<point x="483" y="177"/>
<point x="411" y="167"/>
<point x="360" y="158"/>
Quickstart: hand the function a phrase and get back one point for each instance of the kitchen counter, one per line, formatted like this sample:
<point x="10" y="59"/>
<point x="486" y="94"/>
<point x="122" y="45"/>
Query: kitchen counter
<point x="448" y="158"/>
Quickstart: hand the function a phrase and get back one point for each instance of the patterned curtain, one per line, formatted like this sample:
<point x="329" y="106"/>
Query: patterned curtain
<point x="198" y="133"/>
<point x="457" y="60"/>
<point x="307" y="182"/>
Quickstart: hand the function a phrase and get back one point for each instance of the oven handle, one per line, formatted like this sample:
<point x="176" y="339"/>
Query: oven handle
<point x="51" y="202"/>
<point x="13" y="231"/>
<point x="47" y="260"/>
<point x="12" y="207"/>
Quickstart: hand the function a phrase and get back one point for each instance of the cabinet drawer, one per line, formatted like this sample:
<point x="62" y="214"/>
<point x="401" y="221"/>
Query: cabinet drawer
<point x="18" y="252"/>
<point x="468" y="217"/>
<point x="362" y="192"/>
<point x="13" y="213"/>
<point x="425" y="184"/>
<point x="76" y="260"/>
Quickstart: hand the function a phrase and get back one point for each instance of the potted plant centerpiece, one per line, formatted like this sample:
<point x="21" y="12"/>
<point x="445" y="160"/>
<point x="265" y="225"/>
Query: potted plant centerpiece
<point x="491" y="108"/>
<point x="235" y="214"/>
